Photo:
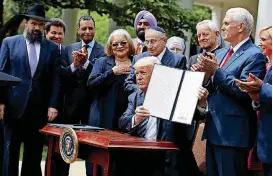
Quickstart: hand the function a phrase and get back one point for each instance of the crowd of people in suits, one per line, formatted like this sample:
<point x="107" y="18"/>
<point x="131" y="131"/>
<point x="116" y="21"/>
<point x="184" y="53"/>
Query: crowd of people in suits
<point x="105" y="86"/>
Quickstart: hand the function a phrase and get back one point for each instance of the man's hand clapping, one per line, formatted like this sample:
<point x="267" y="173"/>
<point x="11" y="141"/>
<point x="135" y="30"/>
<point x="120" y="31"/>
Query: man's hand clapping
<point x="80" y="57"/>
<point x="208" y="63"/>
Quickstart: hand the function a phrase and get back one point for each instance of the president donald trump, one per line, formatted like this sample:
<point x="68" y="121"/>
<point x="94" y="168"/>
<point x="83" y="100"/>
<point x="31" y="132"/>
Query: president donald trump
<point x="138" y="121"/>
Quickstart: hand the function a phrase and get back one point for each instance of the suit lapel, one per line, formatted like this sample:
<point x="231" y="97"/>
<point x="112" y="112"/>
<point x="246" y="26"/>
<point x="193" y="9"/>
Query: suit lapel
<point x="25" y="54"/>
<point x="140" y="98"/>
<point x="268" y="76"/>
<point x="167" y="57"/>
<point x="93" y="52"/>
<point x="221" y="57"/>
<point x="237" y="54"/>
<point x="43" y="51"/>
<point x="110" y="62"/>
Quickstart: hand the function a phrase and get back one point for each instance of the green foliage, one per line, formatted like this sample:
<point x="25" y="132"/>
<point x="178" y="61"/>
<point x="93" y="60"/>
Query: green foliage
<point x="174" y="19"/>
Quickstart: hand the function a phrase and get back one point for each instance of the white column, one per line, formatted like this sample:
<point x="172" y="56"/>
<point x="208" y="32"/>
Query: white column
<point x="188" y="43"/>
<point x="70" y="17"/>
<point x="216" y="16"/>
<point x="188" y="4"/>
<point x="264" y="17"/>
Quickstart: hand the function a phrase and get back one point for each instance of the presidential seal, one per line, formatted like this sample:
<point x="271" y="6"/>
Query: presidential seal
<point x="69" y="145"/>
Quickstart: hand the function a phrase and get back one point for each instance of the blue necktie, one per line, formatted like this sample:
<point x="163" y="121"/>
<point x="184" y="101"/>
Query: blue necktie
<point x="142" y="128"/>
<point x="33" y="62"/>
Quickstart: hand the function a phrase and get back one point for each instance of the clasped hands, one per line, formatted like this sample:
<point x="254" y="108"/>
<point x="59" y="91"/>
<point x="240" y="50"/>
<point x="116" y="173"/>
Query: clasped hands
<point x="207" y="64"/>
<point x="252" y="86"/>
<point x="121" y="69"/>
<point x="79" y="57"/>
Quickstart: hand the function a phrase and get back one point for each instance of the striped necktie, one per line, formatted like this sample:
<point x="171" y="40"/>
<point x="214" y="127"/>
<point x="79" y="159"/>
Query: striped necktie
<point x="229" y="54"/>
<point x="142" y="128"/>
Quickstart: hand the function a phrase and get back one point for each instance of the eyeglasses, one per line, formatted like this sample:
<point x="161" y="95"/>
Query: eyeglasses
<point x="119" y="43"/>
<point x="151" y="42"/>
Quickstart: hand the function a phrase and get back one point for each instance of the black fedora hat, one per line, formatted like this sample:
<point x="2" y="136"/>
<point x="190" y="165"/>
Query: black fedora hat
<point x="36" y="11"/>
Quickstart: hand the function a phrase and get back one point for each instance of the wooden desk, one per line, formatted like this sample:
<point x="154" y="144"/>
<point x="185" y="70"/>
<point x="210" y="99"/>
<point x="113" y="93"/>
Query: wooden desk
<point x="105" y="143"/>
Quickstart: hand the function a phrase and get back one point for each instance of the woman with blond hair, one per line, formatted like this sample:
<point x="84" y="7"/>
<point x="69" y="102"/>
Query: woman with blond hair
<point x="107" y="78"/>
<point x="261" y="94"/>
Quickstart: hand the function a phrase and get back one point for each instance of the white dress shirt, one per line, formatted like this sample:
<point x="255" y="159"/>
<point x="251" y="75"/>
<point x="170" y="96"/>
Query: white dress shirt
<point x="161" y="54"/>
<point x="236" y="47"/>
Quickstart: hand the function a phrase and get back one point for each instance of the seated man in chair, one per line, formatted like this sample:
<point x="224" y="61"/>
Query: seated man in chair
<point x="138" y="121"/>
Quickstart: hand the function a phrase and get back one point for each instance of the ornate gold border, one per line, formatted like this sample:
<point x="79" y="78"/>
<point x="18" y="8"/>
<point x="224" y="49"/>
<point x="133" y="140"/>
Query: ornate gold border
<point x="72" y="133"/>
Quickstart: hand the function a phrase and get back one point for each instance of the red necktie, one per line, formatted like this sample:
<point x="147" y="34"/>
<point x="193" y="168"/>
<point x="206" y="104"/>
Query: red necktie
<point x="229" y="54"/>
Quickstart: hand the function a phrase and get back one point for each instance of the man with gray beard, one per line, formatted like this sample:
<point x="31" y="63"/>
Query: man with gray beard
<point x="30" y="105"/>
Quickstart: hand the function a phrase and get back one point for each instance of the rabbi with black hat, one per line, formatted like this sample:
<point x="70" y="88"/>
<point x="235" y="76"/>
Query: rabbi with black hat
<point x="32" y="104"/>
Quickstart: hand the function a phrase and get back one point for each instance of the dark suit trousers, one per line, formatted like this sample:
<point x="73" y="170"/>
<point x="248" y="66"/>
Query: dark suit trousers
<point x="26" y="131"/>
<point x="226" y="161"/>
<point x="267" y="169"/>
<point x="15" y="134"/>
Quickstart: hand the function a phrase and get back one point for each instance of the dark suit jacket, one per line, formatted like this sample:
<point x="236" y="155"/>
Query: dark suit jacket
<point x="42" y="90"/>
<point x="169" y="59"/>
<point x="231" y="120"/>
<point x="193" y="59"/>
<point x="77" y="99"/>
<point x="110" y="99"/>
<point x="264" y="137"/>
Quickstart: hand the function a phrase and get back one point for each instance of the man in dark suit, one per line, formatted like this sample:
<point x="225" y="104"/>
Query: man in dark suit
<point x="75" y="72"/>
<point x="207" y="34"/>
<point x="231" y="124"/>
<point x="33" y="103"/>
<point x="55" y="31"/>
<point x="136" y="120"/>
<point x="155" y="40"/>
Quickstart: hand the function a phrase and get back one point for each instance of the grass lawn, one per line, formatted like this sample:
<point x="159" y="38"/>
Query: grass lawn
<point x="43" y="156"/>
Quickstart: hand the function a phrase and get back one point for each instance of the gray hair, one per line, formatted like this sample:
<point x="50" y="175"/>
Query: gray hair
<point x="241" y="15"/>
<point x="157" y="33"/>
<point x="147" y="61"/>
<point x="211" y="25"/>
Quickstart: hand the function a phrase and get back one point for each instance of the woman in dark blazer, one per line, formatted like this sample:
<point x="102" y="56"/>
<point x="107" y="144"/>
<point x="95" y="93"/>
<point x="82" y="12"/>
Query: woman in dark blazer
<point x="106" y="81"/>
